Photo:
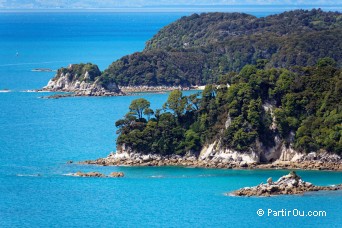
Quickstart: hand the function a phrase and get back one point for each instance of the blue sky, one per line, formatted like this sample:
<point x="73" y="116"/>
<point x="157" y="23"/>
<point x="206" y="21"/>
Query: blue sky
<point x="86" y="4"/>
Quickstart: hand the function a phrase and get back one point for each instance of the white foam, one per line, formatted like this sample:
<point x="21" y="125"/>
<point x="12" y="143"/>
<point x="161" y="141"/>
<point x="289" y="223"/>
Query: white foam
<point x="35" y="91"/>
<point x="68" y="174"/>
<point x="28" y="175"/>
<point x="158" y="176"/>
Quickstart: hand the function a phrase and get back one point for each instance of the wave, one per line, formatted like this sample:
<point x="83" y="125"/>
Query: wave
<point x="68" y="174"/>
<point x="29" y="175"/>
<point x="207" y="175"/>
<point x="35" y="91"/>
<point x="28" y="91"/>
<point x="5" y="91"/>
<point x="21" y="64"/>
<point x="157" y="176"/>
<point x="184" y="176"/>
<point x="229" y="194"/>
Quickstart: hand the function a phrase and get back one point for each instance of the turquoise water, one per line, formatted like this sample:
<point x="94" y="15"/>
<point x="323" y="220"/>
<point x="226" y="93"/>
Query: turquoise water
<point x="38" y="136"/>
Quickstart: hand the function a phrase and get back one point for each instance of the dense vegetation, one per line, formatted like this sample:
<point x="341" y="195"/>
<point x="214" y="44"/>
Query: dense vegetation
<point x="196" y="50"/>
<point x="303" y="107"/>
<point x="78" y="72"/>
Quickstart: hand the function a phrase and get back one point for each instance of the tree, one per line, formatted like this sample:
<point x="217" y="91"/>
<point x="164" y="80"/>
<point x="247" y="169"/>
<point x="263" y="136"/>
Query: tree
<point x="326" y="62"/>
<point x="148" y="112"/>
<point x="138" y="106"/>
<point x="192" y="141"/>
<point x="176" y="102"/>
<point x="193" y="102"/>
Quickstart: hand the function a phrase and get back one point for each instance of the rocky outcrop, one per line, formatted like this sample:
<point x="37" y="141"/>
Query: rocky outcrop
<point x="82" y="80"/>
<point x="97" y="174"/>
<point x="290" y="184"/>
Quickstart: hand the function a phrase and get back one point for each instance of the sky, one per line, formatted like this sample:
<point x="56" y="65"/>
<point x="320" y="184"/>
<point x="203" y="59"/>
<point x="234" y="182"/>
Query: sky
<point x="88" y="4"/>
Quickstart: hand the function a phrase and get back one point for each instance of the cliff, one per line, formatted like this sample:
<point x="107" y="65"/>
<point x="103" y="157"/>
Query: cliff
<point x="82" y="80"/>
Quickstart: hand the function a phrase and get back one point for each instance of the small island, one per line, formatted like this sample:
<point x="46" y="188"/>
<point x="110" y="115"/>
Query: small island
<point x="290" y="184"/>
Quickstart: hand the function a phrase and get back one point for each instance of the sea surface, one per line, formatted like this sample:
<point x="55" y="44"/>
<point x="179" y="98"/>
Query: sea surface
<point x="38" y="136"/>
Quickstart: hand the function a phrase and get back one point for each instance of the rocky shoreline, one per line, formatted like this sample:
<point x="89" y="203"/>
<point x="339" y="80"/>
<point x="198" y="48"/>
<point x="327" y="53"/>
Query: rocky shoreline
<point x="156" y="89"/>
<point x="125" y="91"/>
<point x="82" y="94"/>
<point x="290" y="184"/>
<point x="312" y="161"/>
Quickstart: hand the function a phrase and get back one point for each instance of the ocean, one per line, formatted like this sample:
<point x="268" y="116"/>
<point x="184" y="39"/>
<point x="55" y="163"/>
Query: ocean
<point x="38" y="136"/>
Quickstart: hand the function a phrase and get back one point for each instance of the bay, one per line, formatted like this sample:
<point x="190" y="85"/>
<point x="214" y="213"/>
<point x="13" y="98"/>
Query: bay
<point x="38" y="136"/>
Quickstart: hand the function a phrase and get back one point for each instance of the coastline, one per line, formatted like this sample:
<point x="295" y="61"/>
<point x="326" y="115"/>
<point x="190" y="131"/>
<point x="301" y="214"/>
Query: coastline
<point x="65" y="94"/>
<point x="192" y="161"/>
<point x="125" y="91"/>
<point x="156" y="89"/>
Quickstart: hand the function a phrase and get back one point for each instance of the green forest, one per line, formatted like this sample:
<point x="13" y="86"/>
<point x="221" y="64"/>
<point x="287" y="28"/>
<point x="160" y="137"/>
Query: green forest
<point x="306" y="112"/>
<point x="197" y="49"/>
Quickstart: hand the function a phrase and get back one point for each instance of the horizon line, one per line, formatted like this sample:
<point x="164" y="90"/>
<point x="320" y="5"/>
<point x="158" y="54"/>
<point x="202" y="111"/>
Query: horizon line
<point x="180" y="8"/>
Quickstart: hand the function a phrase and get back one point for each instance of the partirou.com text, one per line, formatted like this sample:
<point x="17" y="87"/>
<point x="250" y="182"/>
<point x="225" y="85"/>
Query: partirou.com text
<point x="291" y="213"/>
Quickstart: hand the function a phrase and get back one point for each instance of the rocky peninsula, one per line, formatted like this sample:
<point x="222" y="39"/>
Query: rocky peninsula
<point x="290" y="184"/>
<point x="87" y="80"/>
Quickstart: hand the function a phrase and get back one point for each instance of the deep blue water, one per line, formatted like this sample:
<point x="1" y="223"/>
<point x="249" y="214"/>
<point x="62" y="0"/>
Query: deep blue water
<point x="38" y="136"/>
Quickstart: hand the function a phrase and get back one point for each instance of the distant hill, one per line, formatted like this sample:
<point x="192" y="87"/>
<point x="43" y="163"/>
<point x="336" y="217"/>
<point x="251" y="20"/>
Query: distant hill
<point x="197" y="49"/>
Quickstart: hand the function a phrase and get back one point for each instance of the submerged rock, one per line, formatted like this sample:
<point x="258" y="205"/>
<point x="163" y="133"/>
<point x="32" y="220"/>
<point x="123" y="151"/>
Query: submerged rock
<point x="97" y="174"/>
<point x="290" y="184"/>
<point x="117" y="174"/>
<point x="90" y="174"/>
